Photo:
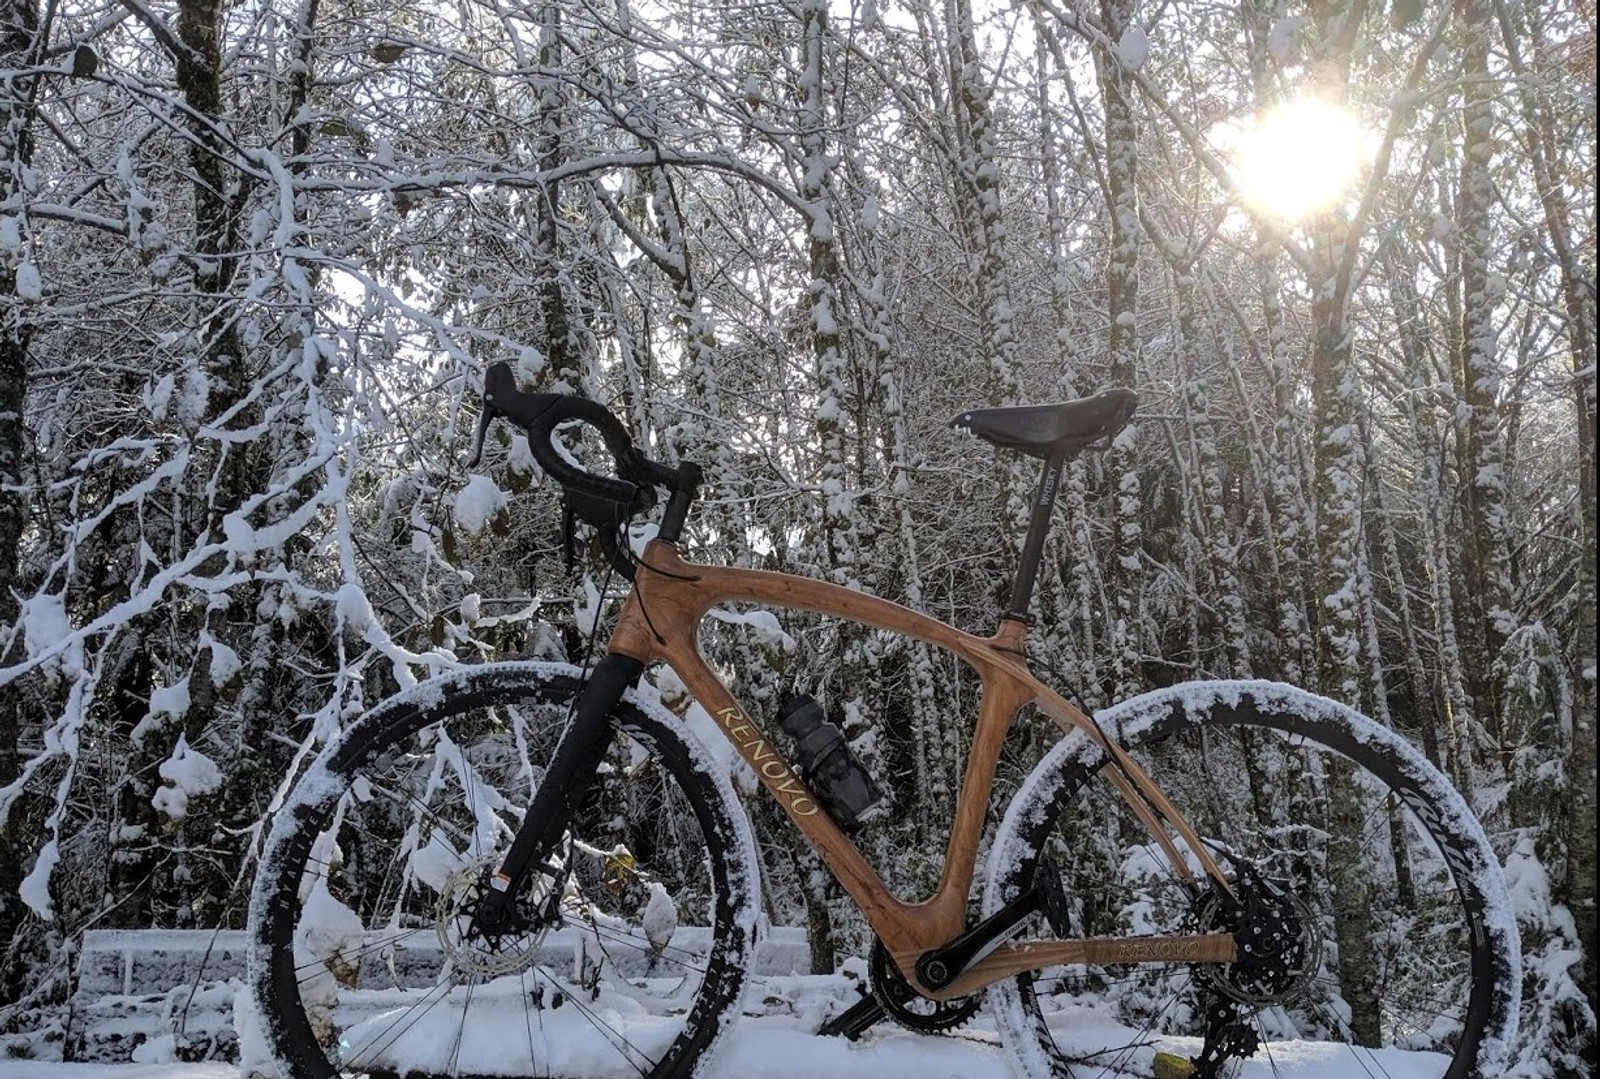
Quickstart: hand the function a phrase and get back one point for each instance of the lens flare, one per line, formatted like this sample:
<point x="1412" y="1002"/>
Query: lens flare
<point x="1299" y="159"/>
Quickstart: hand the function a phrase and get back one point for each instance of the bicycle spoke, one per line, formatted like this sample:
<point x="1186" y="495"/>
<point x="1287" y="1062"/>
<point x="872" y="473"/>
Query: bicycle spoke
<point x="405" y="1019"/>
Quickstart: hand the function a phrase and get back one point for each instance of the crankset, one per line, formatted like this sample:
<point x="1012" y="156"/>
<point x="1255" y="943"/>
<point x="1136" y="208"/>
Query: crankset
<point x="891" y="997"/>
<point x="909" y="1008"/>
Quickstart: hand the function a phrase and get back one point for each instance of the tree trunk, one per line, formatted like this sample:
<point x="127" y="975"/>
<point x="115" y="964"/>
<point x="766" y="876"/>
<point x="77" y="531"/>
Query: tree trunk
<point x="1122" y="295"/>
<point x="19" y="41"/>
<point x="1543" y="147"/>
<point x="1488" y="551"/>
<point x="833" y="389"/>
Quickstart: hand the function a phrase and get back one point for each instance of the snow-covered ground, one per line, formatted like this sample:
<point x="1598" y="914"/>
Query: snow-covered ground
<point x="774" y="1039"/>
<point x="783" y="1047"/>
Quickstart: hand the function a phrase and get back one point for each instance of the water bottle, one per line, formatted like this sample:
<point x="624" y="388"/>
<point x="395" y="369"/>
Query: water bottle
<point x="845" y="789"/>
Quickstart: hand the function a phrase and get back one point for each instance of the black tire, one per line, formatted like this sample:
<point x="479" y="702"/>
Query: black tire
<point x="359" y="962"/>
<point x="1318" y="798"/>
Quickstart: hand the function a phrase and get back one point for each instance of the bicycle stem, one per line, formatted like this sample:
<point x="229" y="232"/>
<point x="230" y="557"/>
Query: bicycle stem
<point x="566" y="783"/>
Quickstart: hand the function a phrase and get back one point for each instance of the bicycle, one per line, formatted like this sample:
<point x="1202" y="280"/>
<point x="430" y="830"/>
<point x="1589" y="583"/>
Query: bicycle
<point x="523" y="869"/>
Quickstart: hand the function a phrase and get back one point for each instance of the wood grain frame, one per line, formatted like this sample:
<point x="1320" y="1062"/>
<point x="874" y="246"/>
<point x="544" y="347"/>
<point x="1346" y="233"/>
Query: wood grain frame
<point x="660" y="623"/>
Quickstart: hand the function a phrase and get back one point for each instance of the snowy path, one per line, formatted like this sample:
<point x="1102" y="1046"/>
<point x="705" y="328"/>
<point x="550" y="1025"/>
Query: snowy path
<point x="774" y="1040"/>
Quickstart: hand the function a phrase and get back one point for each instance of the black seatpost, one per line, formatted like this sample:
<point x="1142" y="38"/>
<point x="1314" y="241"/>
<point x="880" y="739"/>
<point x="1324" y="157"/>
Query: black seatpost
<point x="1038" y="525"/>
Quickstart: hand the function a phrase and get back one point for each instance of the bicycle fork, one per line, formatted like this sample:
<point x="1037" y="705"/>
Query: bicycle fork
<point x="567" y="781"/>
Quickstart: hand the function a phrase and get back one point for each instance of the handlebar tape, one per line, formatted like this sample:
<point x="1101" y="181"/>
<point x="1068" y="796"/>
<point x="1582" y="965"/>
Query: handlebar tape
<point x="600" y="500"/>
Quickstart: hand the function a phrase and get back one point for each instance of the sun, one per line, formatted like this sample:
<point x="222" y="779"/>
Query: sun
<point x="1299" y="159"/>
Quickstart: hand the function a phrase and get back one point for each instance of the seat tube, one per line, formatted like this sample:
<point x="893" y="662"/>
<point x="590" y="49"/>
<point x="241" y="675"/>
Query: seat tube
<point x="1033" y="547"/>
<point x="566" y="783"/>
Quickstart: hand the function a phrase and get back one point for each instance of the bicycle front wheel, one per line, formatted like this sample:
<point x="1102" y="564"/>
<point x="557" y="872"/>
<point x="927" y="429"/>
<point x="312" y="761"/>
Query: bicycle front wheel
<point x="626" y="960"/>
<point x="1397" y="950"/>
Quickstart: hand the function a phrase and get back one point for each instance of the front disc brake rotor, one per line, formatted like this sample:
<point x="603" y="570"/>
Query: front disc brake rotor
<point x="507" y="949"/>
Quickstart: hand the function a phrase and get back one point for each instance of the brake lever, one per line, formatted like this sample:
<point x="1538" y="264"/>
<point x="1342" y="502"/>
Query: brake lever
<point x="485" y="418"/>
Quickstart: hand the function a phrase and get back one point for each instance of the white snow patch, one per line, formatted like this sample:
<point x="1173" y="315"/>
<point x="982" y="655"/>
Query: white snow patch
<point x="161" y="1049"/>
<point x="28" y="285"/>
<point x="35" y="888"/>
<point x="328" y="929"/>
<point x="1134" y="48"/>
<point x="659" y="917"/>
<point x="764" y="624"/>
<point x="477" y="503"/>
<point x="45" y="625"/>
<point x="353" y="609"/>
<point x="190" y="773"/>
<point x="158" y="396"/>
<point x="194" y="398"/>
<point x="167" y="703"/>
<point x="225" y="662"/>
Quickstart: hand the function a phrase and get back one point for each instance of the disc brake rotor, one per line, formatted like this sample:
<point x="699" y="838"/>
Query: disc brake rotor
<point x="489" y="954"/>
<point x="1281" y="944"/>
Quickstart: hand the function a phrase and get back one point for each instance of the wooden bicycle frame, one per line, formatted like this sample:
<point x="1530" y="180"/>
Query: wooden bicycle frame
<point x="660" y="623"/>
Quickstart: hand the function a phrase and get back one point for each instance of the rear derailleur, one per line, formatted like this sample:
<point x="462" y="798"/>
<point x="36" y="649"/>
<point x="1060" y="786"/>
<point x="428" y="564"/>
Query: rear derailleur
<point x="1279" y="952"/>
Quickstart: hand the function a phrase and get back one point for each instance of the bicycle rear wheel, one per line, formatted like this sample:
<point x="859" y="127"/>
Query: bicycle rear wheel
<point x="629" y="959"/>
<point x="1402" y="957"/>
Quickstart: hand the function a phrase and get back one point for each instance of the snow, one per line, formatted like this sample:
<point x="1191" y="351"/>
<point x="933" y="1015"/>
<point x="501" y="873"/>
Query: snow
<point x="38" y="1069"/>
<point x="35" y="888"/>
<point x="763" y="624"/>
<point x="225" y="662"/>
<point x="193" y="399"/>
<point x="187" y="773"/>
<point x="660" y="917"/>
<point x="27" y="283"/>
<point x="171" y="700"/>
<point x="45" y="624"/>
<point x="477" y="503"/>
<point x="781" y="1044"/>
<point x="1134" y="48"/>
<point x="353" y="609"/>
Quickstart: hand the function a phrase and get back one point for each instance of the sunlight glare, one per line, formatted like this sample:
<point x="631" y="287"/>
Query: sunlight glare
<point x="1299" y="159"/>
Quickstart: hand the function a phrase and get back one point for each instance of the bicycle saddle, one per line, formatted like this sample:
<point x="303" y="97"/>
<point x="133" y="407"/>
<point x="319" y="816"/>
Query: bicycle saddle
<point x="1049" y="430"/>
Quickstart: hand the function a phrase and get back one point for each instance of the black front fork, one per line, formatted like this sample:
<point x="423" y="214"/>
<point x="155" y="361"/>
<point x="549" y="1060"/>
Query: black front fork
<point x="566" y="783"/>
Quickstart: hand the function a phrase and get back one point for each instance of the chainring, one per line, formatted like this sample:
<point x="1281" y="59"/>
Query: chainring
<point x="909" y="1008"/>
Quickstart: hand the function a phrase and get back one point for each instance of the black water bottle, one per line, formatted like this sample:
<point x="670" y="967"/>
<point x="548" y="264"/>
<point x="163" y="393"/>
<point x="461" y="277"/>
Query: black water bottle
<point x="845" y="789"/>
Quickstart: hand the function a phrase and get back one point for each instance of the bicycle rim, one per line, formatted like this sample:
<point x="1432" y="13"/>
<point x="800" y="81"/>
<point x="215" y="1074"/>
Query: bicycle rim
<point x="1411" y="954"/>
<point x="365" y="959"/>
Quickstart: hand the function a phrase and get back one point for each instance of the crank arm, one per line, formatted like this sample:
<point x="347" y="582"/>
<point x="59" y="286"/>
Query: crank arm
<point x="940" y="966"/>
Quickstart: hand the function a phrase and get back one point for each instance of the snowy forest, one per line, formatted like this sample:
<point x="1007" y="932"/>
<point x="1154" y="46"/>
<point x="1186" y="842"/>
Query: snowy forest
<point x="255" y="257"/>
